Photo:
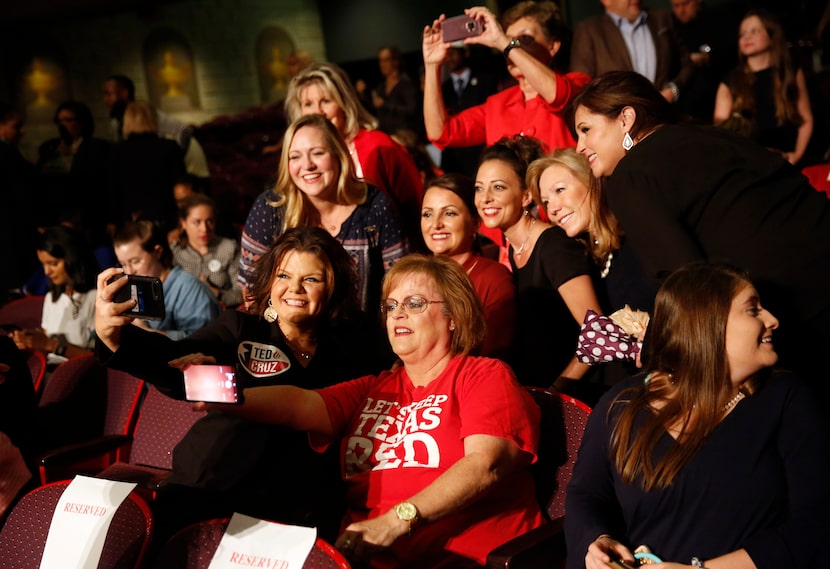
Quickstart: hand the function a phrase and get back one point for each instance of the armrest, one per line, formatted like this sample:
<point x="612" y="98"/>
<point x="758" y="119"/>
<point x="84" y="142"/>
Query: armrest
<point x="540" y="547"/>
<point x="85" y="457"/>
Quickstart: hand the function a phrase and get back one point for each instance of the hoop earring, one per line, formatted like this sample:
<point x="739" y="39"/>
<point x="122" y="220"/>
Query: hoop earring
<point x="627" y="142"/>
<point x="270" y="313"/>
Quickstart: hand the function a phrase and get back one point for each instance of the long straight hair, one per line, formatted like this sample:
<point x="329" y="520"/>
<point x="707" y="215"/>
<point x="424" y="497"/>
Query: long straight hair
<point x="689" y="381"/>
<point x="785" y="88"/>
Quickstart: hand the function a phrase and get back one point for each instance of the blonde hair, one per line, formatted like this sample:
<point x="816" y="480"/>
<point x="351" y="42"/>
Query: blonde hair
<point x="603" y="229"/>
<point x="335" y="84"/>
<point x="299" y="210"/>
<point x="140" y="117"/>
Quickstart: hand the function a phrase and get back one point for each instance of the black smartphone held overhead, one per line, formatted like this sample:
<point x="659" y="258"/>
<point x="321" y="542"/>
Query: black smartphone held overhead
<point x="148" y="294"/>
<point x="211" y="384"/>
<point x="460" y="27"/>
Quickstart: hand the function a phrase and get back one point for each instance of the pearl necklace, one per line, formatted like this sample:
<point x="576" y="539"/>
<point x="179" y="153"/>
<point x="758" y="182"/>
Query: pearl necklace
<point x="607" y="268"/>
<point x="521" y="248"/>
<point x="734" y="401"/>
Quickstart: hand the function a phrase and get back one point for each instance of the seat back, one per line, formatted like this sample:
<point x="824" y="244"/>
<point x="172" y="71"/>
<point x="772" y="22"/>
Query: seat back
<point x="563" y="421"/>
<point x="161" y="425"/>
<point x="24" y="313"/>
<point x="67" y="376"/>
<point x="37" y="367"/>
<point x="23" y="536"/>
<point x="124" y="393"/>
<point x="194" y="546"/>
<point x="819" y="176"/>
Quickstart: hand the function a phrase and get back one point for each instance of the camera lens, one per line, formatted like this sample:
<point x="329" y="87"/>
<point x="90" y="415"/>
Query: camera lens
<point x="470" y="26"/>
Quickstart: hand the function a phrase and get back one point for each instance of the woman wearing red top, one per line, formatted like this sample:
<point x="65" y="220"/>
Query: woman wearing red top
<point x="530" y="36"/>
<point x="324" y="89"/>
<point x="449" y="220"/>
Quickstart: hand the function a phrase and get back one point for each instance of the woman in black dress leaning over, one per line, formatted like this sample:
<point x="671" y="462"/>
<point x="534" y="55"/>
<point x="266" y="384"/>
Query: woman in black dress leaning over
<point x="684" y="193"/>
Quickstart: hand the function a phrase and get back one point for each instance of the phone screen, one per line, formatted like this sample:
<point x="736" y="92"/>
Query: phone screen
<point x="212" y="384"/>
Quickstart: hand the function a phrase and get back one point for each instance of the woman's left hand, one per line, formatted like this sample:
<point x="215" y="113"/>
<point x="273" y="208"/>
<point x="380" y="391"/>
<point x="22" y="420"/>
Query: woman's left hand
<point x="361" y="539"/>
<point x="492" y="36"/>
<point x="191" y="360"/>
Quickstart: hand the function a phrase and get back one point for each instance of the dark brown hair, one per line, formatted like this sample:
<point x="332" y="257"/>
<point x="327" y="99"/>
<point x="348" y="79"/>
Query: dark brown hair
<point x="611" y="92"/>
<point x="689" y="381"/>
<point x="517" y="151"/>
<point x="341" y="277"/>
<point x="149" y="235"/>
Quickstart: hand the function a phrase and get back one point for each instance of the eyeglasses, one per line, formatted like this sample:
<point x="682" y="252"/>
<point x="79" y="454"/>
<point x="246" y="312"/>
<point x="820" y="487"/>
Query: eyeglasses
<point x="414" y="304"/>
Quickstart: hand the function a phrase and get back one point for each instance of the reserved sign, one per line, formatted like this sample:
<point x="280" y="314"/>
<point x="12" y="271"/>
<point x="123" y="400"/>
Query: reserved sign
<point x="251" y="542"/>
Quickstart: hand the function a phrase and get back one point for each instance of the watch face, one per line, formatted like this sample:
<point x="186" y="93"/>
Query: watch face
<point x="406" y="511"/>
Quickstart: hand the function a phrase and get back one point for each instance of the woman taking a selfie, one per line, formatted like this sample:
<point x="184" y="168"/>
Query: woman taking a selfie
<point x="317" y="187"/>
<point x="435" y="454"/>
<point x="303" y="328"/>
<point x="711" y="458"/>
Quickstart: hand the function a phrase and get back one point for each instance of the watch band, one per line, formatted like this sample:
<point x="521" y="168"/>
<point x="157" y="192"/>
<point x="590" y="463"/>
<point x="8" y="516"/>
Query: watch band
<point x="514" y="42"/>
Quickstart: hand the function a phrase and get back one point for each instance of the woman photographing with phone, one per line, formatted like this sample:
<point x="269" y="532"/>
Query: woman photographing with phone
<point x="303" y="328"/>
<point x="435" y="453"/>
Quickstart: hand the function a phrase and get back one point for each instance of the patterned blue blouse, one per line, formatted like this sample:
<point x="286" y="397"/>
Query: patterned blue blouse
<point x="372" y="235"/>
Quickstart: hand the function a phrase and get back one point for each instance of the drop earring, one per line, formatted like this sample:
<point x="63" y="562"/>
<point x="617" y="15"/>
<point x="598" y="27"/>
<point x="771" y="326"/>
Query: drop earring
<point x="270" y="313"/>
<point x="628" y="142"/>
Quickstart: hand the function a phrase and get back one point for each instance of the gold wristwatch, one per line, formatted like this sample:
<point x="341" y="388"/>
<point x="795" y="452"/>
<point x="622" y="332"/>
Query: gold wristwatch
<point x="407" y="512"/>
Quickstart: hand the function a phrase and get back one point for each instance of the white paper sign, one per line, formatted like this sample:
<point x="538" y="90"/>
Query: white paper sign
<point x="81" y="521"/>
<point x="250" y="542"/>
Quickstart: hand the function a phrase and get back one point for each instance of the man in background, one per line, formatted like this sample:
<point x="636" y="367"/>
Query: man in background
<point x="630" y="38"/>
<point x="463" y="88"/>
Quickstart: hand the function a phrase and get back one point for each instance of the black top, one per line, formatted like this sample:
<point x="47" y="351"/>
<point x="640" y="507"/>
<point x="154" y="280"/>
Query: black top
<point x="759" y="482"/>
<point x="688" y="193"/>
<point x="17" y="399"/>
<point x="145" y="170"/>
<point x="546" y="332"/>
<point x="766" y="130"/>
<point x="264" y="465"/>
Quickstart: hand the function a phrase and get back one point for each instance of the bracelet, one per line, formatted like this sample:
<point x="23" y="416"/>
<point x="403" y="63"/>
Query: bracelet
<point x="514" y="42"/>
<point x="697" y="563"/>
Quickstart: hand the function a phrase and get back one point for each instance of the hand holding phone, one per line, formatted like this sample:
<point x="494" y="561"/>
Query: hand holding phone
<point x="211" y="384"/>
<point x="147" y="292"/>
<point x="460" y="27"/>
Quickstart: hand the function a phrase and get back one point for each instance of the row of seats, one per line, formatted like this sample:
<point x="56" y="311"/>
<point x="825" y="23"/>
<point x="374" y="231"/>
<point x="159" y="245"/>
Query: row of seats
<point x="24" y="534"/>
<point x="142" y="426"/>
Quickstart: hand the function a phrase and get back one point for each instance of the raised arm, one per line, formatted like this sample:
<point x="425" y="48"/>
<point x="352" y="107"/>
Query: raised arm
<point x="539" y="75"/>
<point x="435" y="53"/>
<point x="108" y="319"/>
